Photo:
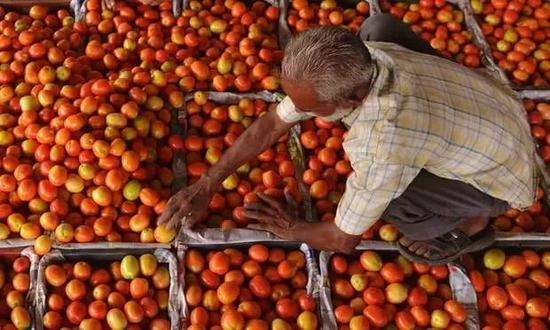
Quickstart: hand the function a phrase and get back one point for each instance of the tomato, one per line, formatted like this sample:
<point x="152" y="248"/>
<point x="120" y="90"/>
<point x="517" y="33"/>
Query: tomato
<point x="219" y="263"/>
<point x="260" y="287"/>
<point x="421" y="316"/>
<point x="417" y="297"/>
<point x="497" y="298"/>
<point x="537" y="307"/>
<point x="456" y="310"/>
<point x="376" y="315"/>
<point x="374" y="296"/>
<point x="287" y="309"/>
<point x="343" y="314"/>
<point x="339" y="264"/>
<point x="343" y="288"/>
<point x="513" y="313"/>
<point x="478" y="281"/>
<point x="392" y="273"/>
<point x="516" y="294"/>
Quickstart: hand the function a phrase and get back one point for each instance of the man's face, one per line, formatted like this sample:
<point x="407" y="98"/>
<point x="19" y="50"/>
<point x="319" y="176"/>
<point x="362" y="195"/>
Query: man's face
<point x="304" y="98"/>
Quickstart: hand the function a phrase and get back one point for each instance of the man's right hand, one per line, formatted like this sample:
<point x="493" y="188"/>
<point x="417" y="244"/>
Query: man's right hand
<point x="189" y="205"/>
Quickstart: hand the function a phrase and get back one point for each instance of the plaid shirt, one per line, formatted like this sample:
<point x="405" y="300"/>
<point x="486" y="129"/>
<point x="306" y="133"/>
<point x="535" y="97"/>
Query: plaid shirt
<point x="424" y="112"/>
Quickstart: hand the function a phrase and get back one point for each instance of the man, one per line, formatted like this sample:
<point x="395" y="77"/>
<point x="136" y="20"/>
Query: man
<point x="436" y="148"/>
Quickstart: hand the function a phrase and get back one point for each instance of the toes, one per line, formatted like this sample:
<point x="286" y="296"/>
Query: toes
<point x="415" y="246"/>
<point x="432" y="254"/>
<point x="405" y="241"/>
<point x="421" y="250"/>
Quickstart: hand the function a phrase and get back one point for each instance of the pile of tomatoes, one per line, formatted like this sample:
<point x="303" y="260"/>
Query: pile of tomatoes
<point x="538" y="114"/>
<point x="129" y="294"/>
<point x="14" y="286"/>
<point x="85" y="144"/>
<point x="303" y="14"/>
<point x="258" y="288"/>
<point x="227" y="45"/>
<point x="371" y="291"/>
<point x="440" y="24"/>
<point x="327" y="165"/>
<point x="513" y="289"/>
<point x="327" y="169"/>
<point x="213" y="128"/>
<point x="534" y="219"/>
<point x="517" y="32"/>
<point x="213" y="45"/>
<point x="531" y="220"/>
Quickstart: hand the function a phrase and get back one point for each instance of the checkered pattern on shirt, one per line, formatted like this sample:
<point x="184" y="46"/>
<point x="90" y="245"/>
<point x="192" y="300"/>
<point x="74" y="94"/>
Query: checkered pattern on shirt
<point x="431" y="113"/>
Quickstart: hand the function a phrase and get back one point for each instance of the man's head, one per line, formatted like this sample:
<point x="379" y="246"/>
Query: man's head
<point x="324" y="68"/>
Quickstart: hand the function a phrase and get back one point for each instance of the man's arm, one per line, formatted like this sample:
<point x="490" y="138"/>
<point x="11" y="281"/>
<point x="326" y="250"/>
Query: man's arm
<point x="325" y="236"/>
<point x="263" y="133"/>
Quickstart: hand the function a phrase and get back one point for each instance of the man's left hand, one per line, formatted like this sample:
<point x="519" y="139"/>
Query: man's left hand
<point x="273" y="216"/>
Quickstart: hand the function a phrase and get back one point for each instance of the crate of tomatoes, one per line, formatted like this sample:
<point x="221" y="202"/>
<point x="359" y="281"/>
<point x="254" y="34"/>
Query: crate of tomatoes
<point x="253" y="284"/>
<point x="300" y="15"/>
<point x="517" y="38"/>
<point x="229" y="46"/>
<point x="537" y="107"/>
<point x="535" y="219"/>
<point x="18" y="272"/>
<point x="213" y="121"/>
<point x="444" y="24"/>
<point x="512" y="283"/>
<point x="108" y="285"/>
<point x="376" y="287"/>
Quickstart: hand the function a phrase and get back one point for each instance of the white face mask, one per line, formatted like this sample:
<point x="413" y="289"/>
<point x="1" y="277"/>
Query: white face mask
<point x="338" y="114"/>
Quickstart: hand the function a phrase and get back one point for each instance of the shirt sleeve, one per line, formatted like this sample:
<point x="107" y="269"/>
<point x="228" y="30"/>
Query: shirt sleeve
<point x="287" y="112"/>
<point x="369" y="190"/>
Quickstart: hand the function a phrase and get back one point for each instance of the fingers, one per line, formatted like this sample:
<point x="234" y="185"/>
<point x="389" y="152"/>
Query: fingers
<point x="169" y="223"/>
<point x="166" y="215"/>
<point x="173" y="221"/>
<point x="271" y="202"/>
<point x="167" y="218"/>
<point x="290" y="199"/>
<point x="267" y="218"/>
<point x="176" y="204"/>
<point x="291" y="204"/>
<point x="172" y="216"/>
<point x="171" y="207"/>
<point x="262" y="208"/>
<point x="259" y="216"/>
<point x="186" y="207"/>
<point x="188" y="220"/>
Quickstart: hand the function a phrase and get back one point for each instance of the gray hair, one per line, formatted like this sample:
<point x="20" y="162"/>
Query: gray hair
<point x="332" y="59"/>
